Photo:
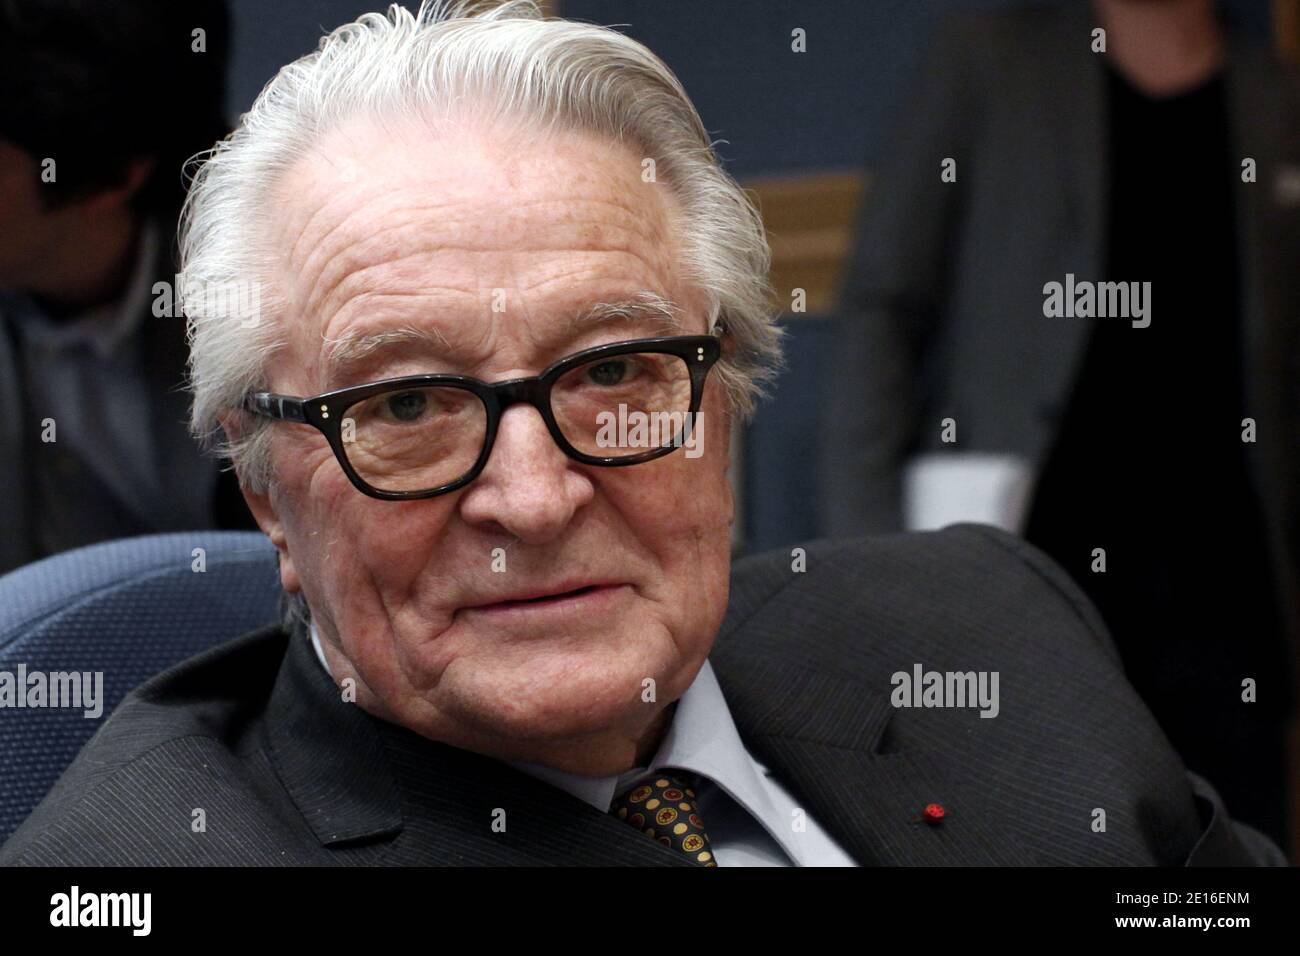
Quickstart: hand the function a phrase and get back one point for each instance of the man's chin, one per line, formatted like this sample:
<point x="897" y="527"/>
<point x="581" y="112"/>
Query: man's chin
<point x="546" y="726"/>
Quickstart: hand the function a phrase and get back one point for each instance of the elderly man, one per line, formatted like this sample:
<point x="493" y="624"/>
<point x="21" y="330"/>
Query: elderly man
<point x="504" y="281"/>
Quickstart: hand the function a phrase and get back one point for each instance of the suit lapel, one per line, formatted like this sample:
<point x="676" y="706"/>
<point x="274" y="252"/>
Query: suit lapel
<point x="822" y="735"/>
<point x="467" y="807"/>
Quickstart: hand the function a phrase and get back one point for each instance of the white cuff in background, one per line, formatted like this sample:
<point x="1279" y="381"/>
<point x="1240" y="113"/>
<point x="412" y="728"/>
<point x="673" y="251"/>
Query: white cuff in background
<point x="942" y="488"/>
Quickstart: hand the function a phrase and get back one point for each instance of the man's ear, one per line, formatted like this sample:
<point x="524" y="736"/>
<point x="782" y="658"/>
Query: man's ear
<point x="137" y="174"/>
<point x="265" y="514"/>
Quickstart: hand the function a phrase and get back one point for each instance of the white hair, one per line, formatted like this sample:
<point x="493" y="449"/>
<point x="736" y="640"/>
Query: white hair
<point x="511" y="64"/>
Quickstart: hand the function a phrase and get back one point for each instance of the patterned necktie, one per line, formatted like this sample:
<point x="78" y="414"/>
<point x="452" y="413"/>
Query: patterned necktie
<point x="662" y="807"/>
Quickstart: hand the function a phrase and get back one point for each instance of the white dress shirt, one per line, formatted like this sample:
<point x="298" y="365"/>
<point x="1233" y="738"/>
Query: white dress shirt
<point x="750" y="819"/>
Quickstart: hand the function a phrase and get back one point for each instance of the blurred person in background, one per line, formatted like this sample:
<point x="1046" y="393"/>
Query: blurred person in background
<point x="100" y="106"/>
<point x="1153" y="456"/>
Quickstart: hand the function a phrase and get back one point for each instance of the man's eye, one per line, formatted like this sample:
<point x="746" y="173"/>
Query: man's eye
<point x="610" y="372"/>
<point x="406" y="406"/>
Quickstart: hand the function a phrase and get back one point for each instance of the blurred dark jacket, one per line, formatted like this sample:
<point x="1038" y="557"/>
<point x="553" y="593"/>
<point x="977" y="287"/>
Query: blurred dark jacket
<point x="944" y="300"/>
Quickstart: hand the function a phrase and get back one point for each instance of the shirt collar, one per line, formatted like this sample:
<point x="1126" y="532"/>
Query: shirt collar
<point x="702" y="739"/>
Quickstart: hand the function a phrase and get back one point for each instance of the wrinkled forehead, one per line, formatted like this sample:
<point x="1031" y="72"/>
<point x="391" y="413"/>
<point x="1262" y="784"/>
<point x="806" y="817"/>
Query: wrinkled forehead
<point x="469" y="233"/>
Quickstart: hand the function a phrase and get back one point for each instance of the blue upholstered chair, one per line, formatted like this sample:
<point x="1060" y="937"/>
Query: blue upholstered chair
<point x="129" y="609"/>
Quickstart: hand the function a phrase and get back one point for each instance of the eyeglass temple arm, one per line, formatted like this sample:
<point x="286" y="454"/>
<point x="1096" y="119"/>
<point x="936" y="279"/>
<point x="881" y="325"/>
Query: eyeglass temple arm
<point x="282" y="407"/>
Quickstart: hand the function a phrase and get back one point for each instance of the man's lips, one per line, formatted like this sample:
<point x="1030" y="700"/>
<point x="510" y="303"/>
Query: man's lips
<point x="540" y="598"/>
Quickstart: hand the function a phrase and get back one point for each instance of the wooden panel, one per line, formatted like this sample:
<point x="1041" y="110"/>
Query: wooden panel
<point x="1286" y="29"/>
<point x="810" y="221"/>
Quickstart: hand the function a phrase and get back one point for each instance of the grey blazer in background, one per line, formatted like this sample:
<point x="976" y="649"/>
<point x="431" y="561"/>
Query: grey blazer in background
<point x="179" y="460"/>
<point x="255" y="734"/>
<point x="944" y="297"/>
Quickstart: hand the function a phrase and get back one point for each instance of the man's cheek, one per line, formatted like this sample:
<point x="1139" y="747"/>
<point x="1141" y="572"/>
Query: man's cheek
<point x="323" y="481"/>
<point x="687" y="502"/>
<point x="703" y="497"/>
<point x="398" y="539"/>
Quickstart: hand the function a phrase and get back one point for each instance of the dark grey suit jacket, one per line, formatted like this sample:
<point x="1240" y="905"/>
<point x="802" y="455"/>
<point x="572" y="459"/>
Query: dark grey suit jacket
<point x="944" y="296"/>
<point x="255" y="736"/>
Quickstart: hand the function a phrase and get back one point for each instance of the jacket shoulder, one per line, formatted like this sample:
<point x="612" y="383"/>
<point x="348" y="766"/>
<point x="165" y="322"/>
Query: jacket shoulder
<point x="1070" y="734"/>
<point x="964" y="577"/>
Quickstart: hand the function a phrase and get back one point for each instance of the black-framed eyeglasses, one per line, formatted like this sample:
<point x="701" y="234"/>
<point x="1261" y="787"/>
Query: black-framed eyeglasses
<point x="424" y="435"/>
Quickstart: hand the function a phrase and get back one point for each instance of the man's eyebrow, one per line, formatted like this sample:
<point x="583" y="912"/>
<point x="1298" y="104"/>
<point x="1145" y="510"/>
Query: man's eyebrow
<point x="353" y="347"/>
<point x="646" y="308"/>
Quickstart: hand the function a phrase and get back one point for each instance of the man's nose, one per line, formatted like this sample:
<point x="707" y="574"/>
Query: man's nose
<point x="529" y="488"/>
